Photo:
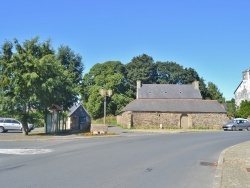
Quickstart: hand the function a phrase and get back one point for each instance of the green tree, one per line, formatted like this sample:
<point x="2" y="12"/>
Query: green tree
<point x="173" y="73"/>
<point x="109" y="75"/>
<point x="168" y="72"/>
<point x="244" y="109"/>
<point x="71" y="62"/>
<point x="214" y="93"/>
<point x="231" y="108"/>
<point x="140" y="68"/>
<point x="190" y="75"/>
<point x="203" y="89"/>
<point x="32" y="79"/>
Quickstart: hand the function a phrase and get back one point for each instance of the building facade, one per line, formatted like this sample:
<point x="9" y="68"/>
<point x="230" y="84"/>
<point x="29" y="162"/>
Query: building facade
<point x="242" y="92"/>
<point x="79" y="118"/>
<point x="171" y="106"/>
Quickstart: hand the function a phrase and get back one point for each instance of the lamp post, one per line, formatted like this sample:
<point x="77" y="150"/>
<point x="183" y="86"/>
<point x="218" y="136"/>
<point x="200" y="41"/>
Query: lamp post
<point x="105" y="93"/>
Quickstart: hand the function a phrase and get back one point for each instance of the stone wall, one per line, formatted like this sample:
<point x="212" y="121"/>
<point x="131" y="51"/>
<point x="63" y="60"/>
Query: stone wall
<point x="170" y="120"/>
<point x="125" y="119"/>
<point x="212" y="120"/>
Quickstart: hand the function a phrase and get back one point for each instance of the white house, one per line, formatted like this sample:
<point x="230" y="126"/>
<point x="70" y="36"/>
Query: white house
<point x="242" y="92"/>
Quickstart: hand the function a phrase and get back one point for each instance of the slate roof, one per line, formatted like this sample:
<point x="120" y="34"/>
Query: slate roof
<point x="55" y="107"/>
<point x="175" y="105"/>
<point x="168" y="91"/>
<point x="77" y="110"/>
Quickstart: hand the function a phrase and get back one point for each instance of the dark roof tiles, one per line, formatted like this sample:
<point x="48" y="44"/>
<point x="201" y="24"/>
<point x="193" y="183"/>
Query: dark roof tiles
<point x="168" y="91"/>
<point x="175" y="105"/>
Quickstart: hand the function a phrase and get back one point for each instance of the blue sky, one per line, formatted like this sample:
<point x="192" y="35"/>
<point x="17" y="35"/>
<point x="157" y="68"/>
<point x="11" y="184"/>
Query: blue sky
<point x="211" y="36"/>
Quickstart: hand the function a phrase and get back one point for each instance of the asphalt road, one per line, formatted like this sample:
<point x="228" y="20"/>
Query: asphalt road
<point x="136" y="160"/>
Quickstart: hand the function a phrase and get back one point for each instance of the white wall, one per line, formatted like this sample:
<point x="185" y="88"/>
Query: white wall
<point x="243" y="91"/>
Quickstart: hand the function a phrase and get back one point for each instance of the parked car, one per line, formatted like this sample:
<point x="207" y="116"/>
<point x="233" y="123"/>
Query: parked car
<point x="12" y="124"/>
<point x="237" y="124"/>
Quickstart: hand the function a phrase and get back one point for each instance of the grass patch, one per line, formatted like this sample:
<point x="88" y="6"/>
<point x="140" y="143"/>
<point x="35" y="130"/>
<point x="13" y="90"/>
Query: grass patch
<point x="110" y="120"/>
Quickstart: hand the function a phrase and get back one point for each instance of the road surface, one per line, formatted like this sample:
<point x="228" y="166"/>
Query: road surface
<point x="134" y="160"/>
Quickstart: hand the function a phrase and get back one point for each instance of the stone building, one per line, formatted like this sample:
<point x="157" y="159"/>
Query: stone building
<point x="79" y="118"/>
<point x="171" y="106"/>
<point x="242" y="92"/>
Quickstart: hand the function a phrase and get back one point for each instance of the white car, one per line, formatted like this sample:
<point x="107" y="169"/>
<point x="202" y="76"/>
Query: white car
<point x="12" y="124"/>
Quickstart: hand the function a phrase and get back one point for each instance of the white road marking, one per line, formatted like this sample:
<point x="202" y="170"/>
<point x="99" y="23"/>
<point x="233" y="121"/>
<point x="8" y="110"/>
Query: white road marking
<point x="24" y="151"/>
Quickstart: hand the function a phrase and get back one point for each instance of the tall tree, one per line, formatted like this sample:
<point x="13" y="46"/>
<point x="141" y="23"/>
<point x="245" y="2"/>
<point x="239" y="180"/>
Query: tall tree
<point x="109" y="76"/>
<point x="169" y="73"/>
<point x="34" y="79"/>
<point x="140" y="68"/>
<point x="214" y="93"/>
<point x="203" y="89"/>
<point x="190" y="75"/>
<point x="173" y="73"/>
<point x="72" y="62"/>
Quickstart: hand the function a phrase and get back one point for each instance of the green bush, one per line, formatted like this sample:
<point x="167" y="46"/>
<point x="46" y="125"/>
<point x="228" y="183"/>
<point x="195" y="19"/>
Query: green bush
<point x="37" y="119"/>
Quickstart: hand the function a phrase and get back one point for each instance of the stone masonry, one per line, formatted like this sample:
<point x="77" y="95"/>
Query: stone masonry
<point x="170" y="120"/>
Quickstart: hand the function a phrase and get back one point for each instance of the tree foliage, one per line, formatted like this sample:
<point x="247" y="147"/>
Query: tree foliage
<point x="244" y="109"/>
<point x="140" y="68"/>
<point x="231" y="108"/>
<point x="32" y="78"/>
<point x="214" y="93"/>
<point x="109" y="76"/>
<point x="173" y="73"/>
<point x="72" y="62"/>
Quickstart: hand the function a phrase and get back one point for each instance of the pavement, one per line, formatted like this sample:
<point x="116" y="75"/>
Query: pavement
<point x="233" y="168"/>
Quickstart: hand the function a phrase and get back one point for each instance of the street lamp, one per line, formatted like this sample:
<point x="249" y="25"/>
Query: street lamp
<point x="105" y="93"/>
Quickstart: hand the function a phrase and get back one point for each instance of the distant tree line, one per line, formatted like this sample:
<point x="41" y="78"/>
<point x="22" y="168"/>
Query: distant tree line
<point x="34" y="76"/>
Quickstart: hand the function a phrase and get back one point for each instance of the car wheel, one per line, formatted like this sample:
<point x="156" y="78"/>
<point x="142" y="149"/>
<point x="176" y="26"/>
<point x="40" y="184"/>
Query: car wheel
<point x="233" y="128"/>
<point x="248" y="128"/>
<point x="1" y="129"/>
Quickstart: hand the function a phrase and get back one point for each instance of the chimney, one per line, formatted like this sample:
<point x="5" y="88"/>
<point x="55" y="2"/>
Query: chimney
<point x="245" y="74"/>
<point x="138" y="83"/>
<point x="196" y="84"/>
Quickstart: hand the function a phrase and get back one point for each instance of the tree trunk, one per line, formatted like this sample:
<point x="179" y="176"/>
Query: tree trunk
<point x="25" y="128"/>
<point x="25" y="118"/>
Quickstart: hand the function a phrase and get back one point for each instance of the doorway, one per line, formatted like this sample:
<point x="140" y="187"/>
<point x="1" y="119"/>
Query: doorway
<point x="184" y="121"/>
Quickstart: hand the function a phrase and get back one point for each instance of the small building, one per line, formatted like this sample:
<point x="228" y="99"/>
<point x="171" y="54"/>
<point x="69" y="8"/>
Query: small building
<point x="171" y="106"/>
<point x="54" y="120"/>
<point x="78" y="118"/>
<point x="242" y="92"/>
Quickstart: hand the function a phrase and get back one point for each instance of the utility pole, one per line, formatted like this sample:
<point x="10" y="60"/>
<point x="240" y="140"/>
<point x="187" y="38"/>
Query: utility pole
<point x="105" y="93"/>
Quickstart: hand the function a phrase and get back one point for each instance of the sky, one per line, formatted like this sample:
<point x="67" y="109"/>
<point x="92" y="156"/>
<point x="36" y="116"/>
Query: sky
<point x="210" y="36"/>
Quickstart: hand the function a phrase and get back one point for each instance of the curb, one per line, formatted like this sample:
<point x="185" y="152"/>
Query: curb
<point x="219" y="169"/>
